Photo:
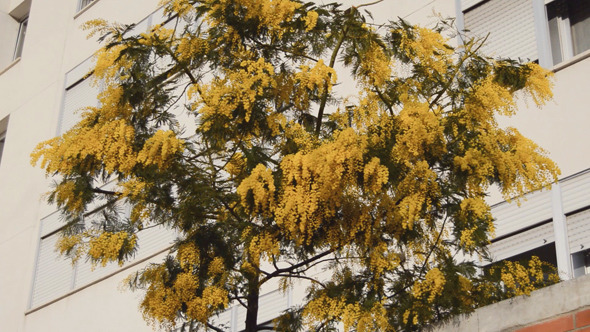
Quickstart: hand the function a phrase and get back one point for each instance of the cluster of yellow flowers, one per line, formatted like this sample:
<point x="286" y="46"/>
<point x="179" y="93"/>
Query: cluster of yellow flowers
<point x="375" y="176"/>
<point x="178" y="7"/>
<point x="264" y="245"/>
<point x="311" y="19"/>
<point x="156" y="35"/>
<point x="271" y="14"/>
<point x="428" y="48"/>
<point x="71" y="244"/>
<point x="260" y="184"/>
<point x="109" y="63"/>
<point x="315" y="184"/>
<point x="432" y="285"/>
<point x="109" y="145"/>
<point x="162" y="302"/>
<point x="381" y="259"/>
<point x="190" y="45"/>
<point x="239" y="88"/>
<point x="320" y="77"/>
<point x="539" y="84"/>
<point x="353" y="316"/>
<point x="428" y="289"/>
<point x="416" y="196"/>
<point x="421" y="132"/>
<point x="158" y="149"/>
<point x="376" y="67"/>
<point x="520" y="280"/>
<point x="106" y="246"/>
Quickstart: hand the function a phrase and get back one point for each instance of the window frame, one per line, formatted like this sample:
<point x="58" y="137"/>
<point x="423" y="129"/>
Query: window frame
<point x="20" y="38"/>
<point x="3" y="131"/>
<point x="2" y="143"/>
<point x="562" y="29"/>
<point x="84" y="3"/>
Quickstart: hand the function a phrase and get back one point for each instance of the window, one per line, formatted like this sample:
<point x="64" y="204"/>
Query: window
<point x="578" y="229"/>
<point x="581" y="262"/>
<point x="84" y="3"/>
<point x="55" y="276"/>
<point x="507" y="25"/>
<point x="2" y="138"/>
<point x="3" y="125"/>
<point x="569" y="28"/>
<point x="20" y="40"/>
<point x="529" y="239"/>
<point x="79" y="93"/>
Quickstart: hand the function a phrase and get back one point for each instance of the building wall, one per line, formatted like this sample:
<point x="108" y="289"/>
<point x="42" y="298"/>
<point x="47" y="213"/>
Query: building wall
<point x="560" y="307"/>
<point x="31" y="95"/>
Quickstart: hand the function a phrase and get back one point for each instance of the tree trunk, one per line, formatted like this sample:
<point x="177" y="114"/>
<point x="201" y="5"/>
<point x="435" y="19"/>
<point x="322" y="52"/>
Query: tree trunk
<point x="252" y="313"/>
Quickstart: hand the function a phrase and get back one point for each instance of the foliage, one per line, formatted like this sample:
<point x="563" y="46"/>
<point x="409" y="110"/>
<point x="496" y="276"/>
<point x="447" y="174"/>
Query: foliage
<point x="268" y="171"/>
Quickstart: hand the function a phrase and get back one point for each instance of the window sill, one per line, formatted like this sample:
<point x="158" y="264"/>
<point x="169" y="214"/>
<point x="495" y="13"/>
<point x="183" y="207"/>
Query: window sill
<point x="83" y="10"/>
<point x="12" y="64"/>
<point x="569" y="62"/>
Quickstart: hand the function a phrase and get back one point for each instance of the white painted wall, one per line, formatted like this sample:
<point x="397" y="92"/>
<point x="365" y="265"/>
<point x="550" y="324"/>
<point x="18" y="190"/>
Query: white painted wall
<point x="31" y="93"/>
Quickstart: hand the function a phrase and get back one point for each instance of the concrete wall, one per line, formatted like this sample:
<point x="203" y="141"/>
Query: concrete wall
<point x="31" y="93"/>
<point x="560" y="307"/>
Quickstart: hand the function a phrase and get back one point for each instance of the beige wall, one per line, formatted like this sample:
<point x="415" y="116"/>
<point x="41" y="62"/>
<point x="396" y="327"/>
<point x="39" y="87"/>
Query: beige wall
<point x="31" y="93"/>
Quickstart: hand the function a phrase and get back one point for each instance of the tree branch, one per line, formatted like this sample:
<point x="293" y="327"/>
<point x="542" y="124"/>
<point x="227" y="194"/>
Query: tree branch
<point x="217" y="329"/>
<point x="368" y="4"/>
<point x="295" y="275"/>
<point x="326" y="93"/>
<point x="296" y="266"/>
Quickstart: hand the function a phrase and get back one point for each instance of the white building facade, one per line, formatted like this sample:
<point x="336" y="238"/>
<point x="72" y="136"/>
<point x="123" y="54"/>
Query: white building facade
<point x="44" y="56"/>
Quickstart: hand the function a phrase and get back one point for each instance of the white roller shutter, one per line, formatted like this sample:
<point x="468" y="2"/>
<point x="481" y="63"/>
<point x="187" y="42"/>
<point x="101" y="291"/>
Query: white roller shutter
<point x="154" y="240"/>
<point x="522" y="242"/>
<point x="272" y="305"/>
<point x="79" y="72"/>
<point x="466" y="4"/>
<point x="575" y="192"/>
<point x="510" y="25"/>
<point x="86" y="275"/>
<point x="578" y="231"/>
<point x="223" y="320"/>
<point x="534" y="208"/>
<point x="78" y="96"/>
<point x="51" y="223"/>
<point x="53" y="273"/>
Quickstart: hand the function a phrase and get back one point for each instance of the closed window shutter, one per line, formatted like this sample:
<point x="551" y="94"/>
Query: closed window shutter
<point x="223" y="320"/>
<point x="51" y="223"/>
<point x="272" y="305"/>
<point x="153" y="240"/>
<point x="78" y="96"/>
<point x="575" y="192"/>
<point x="578" y="231"/>
<point x="534" y="208"/>
<point x="466" y="4"/>
<point x="522" y="242"/>
<point x="511" y="28"/>
<point x="53" y="273"/>
<point x="85" y="274"/>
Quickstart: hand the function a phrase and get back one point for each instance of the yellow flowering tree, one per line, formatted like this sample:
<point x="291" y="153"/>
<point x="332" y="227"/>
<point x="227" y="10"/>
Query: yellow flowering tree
<point x="379" y="188"/>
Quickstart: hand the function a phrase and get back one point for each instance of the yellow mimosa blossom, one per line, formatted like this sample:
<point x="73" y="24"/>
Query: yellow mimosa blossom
<point x="106" y="246"/>
<point x="159" y="148"/>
